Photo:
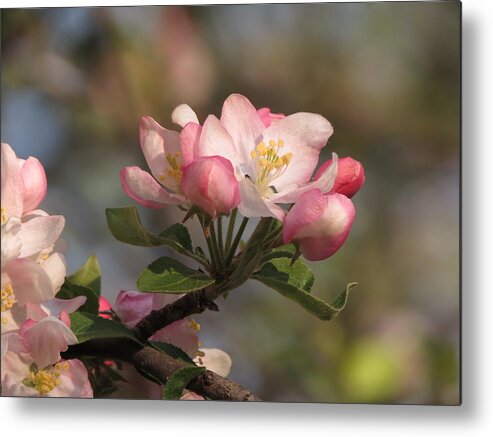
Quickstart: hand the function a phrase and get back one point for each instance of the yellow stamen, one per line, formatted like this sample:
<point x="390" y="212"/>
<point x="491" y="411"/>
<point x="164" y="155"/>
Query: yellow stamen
<point x="194" y="325"/>
<point x="4" y="215"/>
<point x="45" y="380"/>
<point x="8" y="299"/>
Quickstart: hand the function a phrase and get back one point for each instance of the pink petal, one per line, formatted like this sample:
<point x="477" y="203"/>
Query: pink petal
<point x="216" y="141"/>
<point x="34" y="177"/>
<point x="40" y="233"/>
<point x="209" y="183"/>
<point x="132" y="306"/>
<point x="183" y="114"/>
<point x="12" y="184"/>
<point x="268" y="117"/>
<point x="143" y="188"/>
<point x="313" y="129"/>
<point x="190" y="139"/>
<point x="46" y="339"/>
<point x="306" y="211"/>
<point x="29" y="281"/>
<point x="181" y="334"/>
<point x="157" y="142"/>
<point x="55" y="307"/>
<point x="319" y="235"/>
<point x="350" y="176"/>
<point x="241" y="120"/>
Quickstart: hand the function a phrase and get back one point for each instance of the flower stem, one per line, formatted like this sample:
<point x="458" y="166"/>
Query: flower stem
<point x="236" y="241"/>
<point x="215" y="248"/>
<point x="220" y="240"/>
<point x="231" y="228"/>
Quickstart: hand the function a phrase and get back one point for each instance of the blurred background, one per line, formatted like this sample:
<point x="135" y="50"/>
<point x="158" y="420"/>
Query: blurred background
<point x="75" y="82"/>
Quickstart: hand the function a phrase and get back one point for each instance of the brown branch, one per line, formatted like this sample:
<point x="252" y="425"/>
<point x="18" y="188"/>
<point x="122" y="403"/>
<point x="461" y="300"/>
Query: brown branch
<point x="160" y="366"/>
<point x="192" y="303"/>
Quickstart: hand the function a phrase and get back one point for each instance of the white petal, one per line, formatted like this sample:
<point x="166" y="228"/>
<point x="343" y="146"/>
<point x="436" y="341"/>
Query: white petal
<point x="40" y="233"/>
<point x="11" y="241"/>
<point x="254" y="205"/>
<point x="325" y="183"/>
<point x="183" y="114"/>
<point x="215" y="360"/>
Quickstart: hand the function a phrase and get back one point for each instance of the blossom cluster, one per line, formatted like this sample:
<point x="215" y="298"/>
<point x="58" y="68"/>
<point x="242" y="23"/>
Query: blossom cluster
<point x="35" y="327"/>
<point x="257" y="161"/>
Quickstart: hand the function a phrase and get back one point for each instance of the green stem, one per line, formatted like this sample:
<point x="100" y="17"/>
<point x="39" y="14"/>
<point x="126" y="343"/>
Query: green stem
<point x="236" y="241"/>
<point x="207" y="235"/>
<point x="231" y="228"/>
<point x="220" y="240"/>
<point x="215" y="248"/>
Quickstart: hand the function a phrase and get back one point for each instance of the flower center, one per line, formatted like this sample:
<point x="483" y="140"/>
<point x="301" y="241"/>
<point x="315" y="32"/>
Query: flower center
<point x="4" y="215"/>
<point x="47" y="379"/>
<point x="174" y="171"/>
<point x="8" y="300"/>
<point x="269" y="163"/>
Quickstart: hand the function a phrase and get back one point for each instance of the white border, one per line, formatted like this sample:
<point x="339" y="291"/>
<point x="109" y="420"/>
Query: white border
<point x="129" y="418"/>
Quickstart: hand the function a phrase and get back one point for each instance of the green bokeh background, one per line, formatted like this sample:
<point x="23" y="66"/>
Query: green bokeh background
<point x="75" y="82"/>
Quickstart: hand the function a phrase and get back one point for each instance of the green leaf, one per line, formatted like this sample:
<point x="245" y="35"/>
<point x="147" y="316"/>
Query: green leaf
<point x="90" y="327"/>
<point x="69" y="290"/>
<point x="179" y="380"/>
<point x="167" y="275"/>
<point x="172" y="351"/>
<point x="180" y="234"/>
<point x="125" y="226"/>
<point x="89" y="275"/>
<point x="285" y="251"/>
<point x="294" y="282"/>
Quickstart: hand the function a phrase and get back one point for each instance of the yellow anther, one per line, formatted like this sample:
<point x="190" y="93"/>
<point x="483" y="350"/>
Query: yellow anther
<point x="287" y="158"/>
<point x="194" y="325"/>
<point x="263" y="162"/>
<point x="175" y="166"/>
<point x="272" y="143"/>
<point x="253" y="154"/>
<point x="8" y="298"/>
<point x="4" y="215"/>
<point x="47" y="379"/>
<point x="280" y="143"/>
<point x="200" y="354"/>
<point x="261" y="149"/>
<point x="162" y="178"/>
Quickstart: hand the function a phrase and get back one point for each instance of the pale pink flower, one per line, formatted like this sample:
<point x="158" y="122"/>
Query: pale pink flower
<point x="22" y="376"/>
<point x="272" y="163"/>
<point x="163" y="153"/>
<point x="350" y="176"/>
<point x="319" y="223"/>
<point x="209" y="182"/>
<point x="23" y="184"/>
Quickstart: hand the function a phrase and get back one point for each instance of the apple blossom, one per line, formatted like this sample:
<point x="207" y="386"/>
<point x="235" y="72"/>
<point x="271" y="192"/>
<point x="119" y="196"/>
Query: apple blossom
<point x="319" y="223"/>
<point x="350" y="176"/>
<point x="163" y="154"/>
<point x="271" y="162"/>
<point x="210" y="183"/>
<point x="22" y="376"/>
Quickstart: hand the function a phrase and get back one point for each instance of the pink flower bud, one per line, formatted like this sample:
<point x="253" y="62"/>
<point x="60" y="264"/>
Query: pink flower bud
<point x="268" y="117"/>
<point x="319" y="223"/>
<point x="350" y="176"/>
<point x="209" y="182"/>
